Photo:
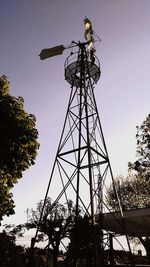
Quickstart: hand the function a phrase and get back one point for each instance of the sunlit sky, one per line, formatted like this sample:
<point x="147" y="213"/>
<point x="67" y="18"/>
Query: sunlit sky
<point x="122" y="93"/>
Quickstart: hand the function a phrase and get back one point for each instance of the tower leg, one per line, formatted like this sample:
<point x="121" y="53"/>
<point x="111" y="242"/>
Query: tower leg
<point x="111" y="250"/>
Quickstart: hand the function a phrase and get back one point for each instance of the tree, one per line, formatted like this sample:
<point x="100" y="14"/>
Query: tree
<point x="142" y="165"/>
<point x="56" y="222"/>
<point x="60" y="222"/>
<point x="10" y="253"/>
<point x="18" y="144"/>
<point x="7" y="245"/>
<point x="134" y="190"/>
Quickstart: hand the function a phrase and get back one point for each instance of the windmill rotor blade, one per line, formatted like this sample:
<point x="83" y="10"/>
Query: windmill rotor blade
<point x="51" y="52"/>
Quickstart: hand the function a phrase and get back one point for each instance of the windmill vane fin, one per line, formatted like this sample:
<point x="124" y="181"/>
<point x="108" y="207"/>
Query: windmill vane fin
<point x="51" y="52"/>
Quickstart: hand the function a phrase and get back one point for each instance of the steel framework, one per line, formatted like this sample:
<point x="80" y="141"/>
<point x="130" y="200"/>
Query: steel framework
<point x="82" y="170"/>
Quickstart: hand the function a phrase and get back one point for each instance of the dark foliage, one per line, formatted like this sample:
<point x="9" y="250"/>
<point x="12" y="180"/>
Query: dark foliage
<point x="55" y="224"/>
<point x="18" y="144"/>
<point x="142" y="165"/>
<point x="10" y="253"/>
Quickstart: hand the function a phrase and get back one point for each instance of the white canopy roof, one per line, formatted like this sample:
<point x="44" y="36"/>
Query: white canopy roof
<point x="133" y="222"/>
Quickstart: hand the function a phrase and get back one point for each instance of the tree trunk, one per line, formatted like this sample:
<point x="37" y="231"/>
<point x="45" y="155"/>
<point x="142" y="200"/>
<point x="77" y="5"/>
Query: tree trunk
<point x="55" y="251"/>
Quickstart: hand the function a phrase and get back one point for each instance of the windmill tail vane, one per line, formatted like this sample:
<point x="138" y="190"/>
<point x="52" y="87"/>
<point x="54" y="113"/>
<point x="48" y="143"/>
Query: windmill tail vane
<point x="51" y="52"/>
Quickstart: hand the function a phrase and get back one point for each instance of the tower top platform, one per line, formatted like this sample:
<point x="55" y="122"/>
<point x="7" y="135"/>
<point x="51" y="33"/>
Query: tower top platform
<point x="83" y="62"/>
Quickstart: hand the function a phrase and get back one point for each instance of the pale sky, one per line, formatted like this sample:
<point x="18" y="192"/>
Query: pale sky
<point x="122" y="93"/>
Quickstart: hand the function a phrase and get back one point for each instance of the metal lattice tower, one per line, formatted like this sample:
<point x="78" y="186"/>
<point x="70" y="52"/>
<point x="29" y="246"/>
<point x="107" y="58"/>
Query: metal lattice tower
<point x="82" y="170"/>
<point x="82" y="162"/>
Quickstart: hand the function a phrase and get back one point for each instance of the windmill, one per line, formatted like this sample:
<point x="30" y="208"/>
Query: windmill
<point x="82" y="170"/>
